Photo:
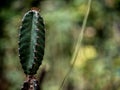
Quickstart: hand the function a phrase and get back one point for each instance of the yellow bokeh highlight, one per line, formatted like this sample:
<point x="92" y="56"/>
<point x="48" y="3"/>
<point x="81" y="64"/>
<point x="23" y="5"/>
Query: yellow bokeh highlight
<point x="85" y="53"/>
<point x="82" y="9"/>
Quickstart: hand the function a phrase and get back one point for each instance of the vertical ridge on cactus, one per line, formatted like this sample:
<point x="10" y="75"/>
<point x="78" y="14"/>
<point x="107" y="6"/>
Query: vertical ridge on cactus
<point x="31" y="42"/>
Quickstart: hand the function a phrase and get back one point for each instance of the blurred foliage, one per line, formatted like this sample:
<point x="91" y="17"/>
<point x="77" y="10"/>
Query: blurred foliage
<point x="98" y="63"/>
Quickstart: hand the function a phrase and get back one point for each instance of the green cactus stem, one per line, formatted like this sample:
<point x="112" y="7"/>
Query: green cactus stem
<point x="31" y="42"/>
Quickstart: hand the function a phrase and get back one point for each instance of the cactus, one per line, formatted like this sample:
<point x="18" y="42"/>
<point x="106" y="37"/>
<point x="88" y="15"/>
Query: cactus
<point x="31" y="43"/>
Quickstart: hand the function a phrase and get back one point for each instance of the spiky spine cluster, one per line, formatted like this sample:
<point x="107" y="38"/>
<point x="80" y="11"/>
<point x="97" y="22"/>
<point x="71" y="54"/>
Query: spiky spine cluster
<point x="30" y="84"/>
<point x="31" y="42"/>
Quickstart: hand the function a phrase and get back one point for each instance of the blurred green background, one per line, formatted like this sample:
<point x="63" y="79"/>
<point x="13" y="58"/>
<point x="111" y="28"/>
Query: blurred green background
<point x="98" y="63"/>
